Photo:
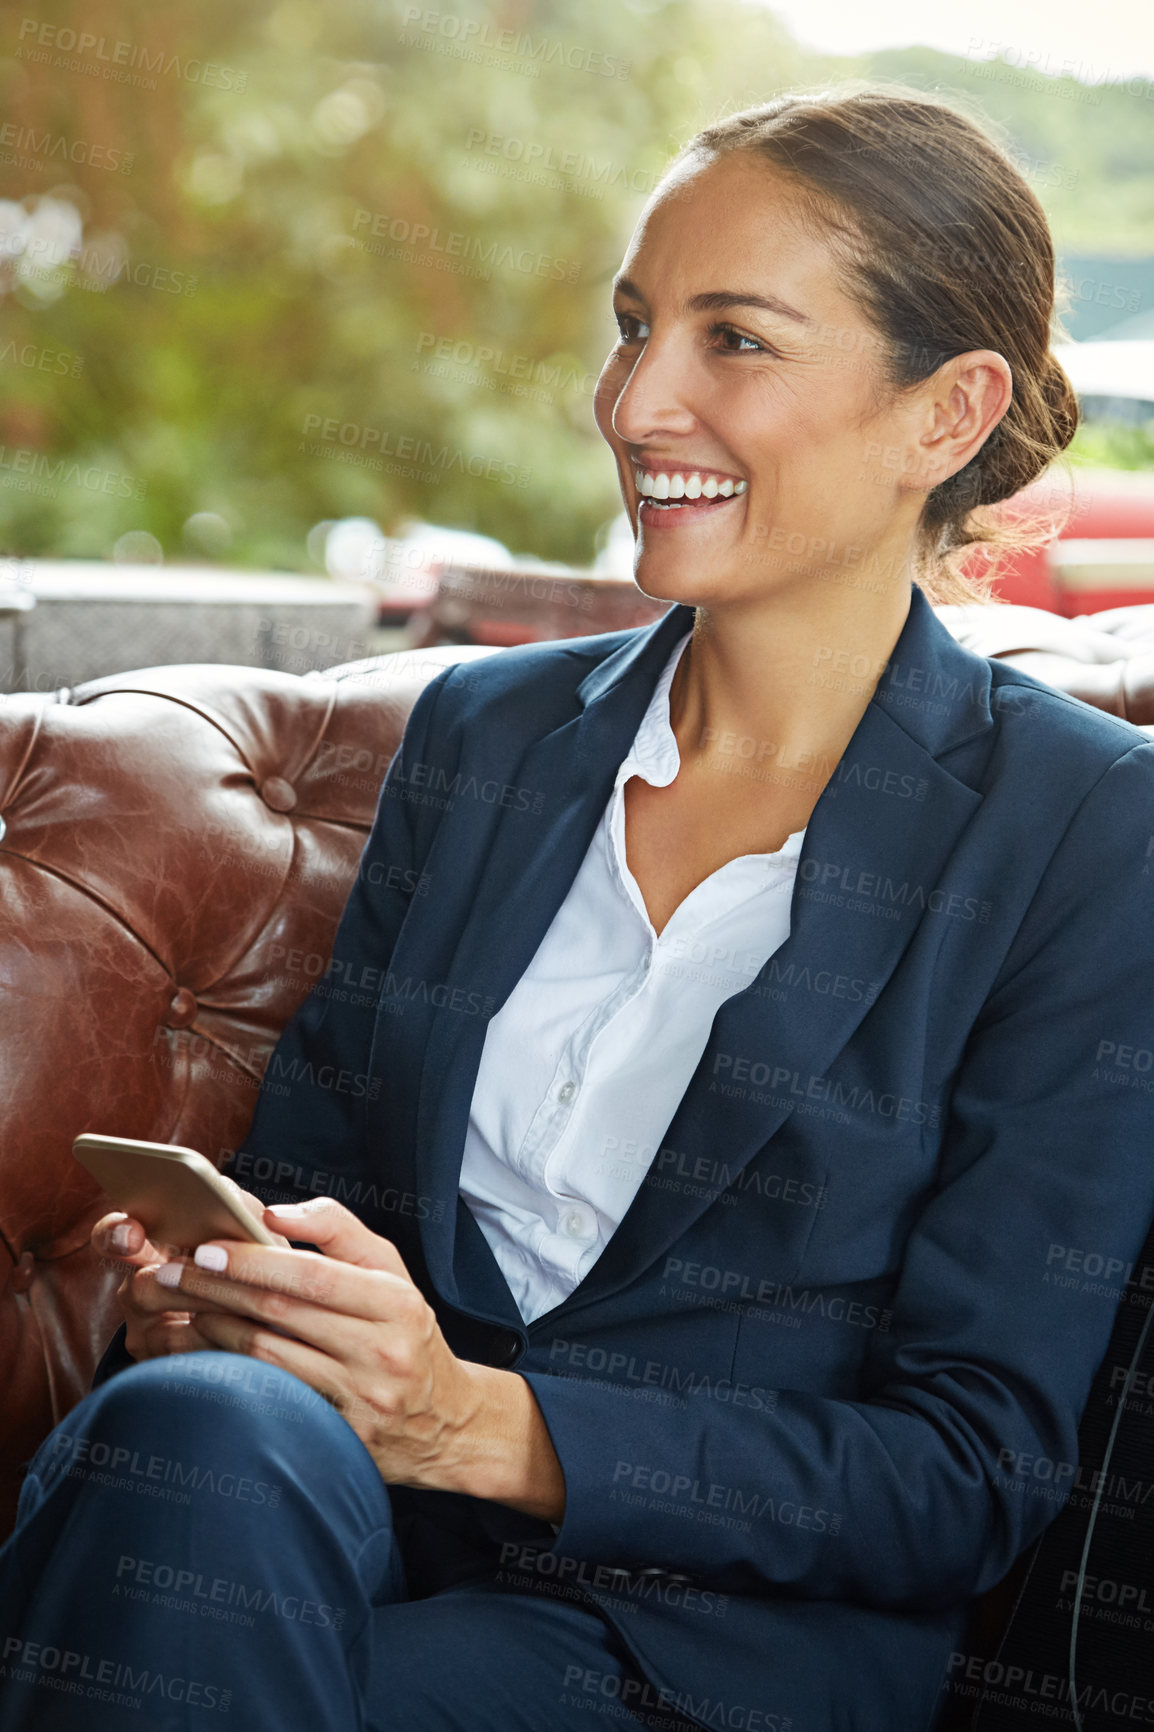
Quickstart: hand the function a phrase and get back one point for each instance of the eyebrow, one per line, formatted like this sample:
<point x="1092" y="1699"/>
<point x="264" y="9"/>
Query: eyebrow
<point x="721" y="300"/>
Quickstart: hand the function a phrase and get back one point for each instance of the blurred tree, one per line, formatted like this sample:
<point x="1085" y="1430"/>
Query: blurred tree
<point x="272" y="264"/>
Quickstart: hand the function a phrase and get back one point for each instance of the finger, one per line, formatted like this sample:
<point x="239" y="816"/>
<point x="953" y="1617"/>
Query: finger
<point x="117" y="1234"/>
<point x="142" y="1295"/>
<point x="142" y="1252"/>
<point x="320" y="1370"/>
<point x="149" y="1298"/>
<point x="337" y="1232"/>
<point x="285" y="1287"/>
<point x="348" y="1341"/>
<point x="145" y="1330"/>
<point x="172" y="1334"/>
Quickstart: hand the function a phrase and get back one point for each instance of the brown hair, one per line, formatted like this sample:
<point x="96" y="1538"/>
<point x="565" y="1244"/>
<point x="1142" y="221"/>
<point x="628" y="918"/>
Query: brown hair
<point x="946" y="248"/>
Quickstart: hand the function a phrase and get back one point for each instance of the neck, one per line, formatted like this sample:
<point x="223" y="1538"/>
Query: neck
<point x="783" y="685"/>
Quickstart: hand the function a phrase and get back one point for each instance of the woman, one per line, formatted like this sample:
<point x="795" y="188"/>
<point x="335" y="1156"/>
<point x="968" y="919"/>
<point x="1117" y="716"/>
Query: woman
<point x="731" y="1064"/>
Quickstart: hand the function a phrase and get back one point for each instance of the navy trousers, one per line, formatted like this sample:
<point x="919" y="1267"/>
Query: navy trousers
<point x="195" y="1551"/>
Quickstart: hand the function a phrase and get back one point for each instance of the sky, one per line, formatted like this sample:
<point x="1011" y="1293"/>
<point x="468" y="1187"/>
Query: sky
<point x="1092" y="40"/>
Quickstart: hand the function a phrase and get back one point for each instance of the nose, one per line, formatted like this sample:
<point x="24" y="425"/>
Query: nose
<point x="656" y="397"/>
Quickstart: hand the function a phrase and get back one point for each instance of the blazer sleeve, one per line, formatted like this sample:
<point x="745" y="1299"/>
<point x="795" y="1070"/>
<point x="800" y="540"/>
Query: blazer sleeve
<point x="304" y="1123"/>
<point x="964" y="1445"/>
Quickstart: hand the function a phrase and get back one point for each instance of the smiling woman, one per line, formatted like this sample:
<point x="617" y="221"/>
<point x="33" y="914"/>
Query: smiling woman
<point x="739" y="1080"/>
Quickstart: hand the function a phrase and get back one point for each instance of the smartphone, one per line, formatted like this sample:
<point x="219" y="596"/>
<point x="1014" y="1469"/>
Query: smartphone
<point x="176" y="1194"/>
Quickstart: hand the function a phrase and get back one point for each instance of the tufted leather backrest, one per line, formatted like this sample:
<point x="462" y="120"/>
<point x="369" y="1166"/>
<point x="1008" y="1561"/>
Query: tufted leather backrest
<point x="178" y="845"/>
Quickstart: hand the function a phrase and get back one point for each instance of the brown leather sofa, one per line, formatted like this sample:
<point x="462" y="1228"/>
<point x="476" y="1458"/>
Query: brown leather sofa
<point x="1106" y="659"/>
<point x="176" y="848"/>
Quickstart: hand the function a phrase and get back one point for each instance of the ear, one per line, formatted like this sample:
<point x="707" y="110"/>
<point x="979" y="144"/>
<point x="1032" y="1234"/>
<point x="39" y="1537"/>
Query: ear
<point x="963" y="401"/>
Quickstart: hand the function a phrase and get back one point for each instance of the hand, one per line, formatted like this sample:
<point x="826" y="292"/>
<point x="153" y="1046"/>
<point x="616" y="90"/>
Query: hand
<point x="349" y="1321"/>
<point x="153" y="1327"/>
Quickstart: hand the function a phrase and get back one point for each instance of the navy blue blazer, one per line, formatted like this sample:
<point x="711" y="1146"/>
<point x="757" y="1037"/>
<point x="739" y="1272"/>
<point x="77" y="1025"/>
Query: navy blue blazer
<point x="823" y="1385"/>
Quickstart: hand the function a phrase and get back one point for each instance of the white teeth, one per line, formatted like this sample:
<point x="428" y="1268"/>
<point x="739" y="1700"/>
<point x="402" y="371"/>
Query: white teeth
<point x="686" y="484"/>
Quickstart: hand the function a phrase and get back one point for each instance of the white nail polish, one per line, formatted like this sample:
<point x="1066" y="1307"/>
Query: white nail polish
<point x="169" y="1274"/>
<point x="213" y="1257"/>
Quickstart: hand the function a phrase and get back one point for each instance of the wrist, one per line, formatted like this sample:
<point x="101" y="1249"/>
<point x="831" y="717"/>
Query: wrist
<point x="506" y="1454"/>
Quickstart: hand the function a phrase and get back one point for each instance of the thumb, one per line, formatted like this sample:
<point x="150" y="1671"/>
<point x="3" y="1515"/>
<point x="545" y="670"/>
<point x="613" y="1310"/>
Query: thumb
<point x="337" y="1232"/>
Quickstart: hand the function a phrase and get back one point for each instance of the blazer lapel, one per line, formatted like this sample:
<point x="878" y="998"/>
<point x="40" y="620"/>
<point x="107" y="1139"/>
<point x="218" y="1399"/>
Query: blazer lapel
<point x="857" y="846"/>
<point x="531" y="865"/>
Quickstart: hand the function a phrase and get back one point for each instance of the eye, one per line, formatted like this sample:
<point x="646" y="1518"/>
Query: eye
<point x="627" y="319"/>
<point x="752" y="345"/>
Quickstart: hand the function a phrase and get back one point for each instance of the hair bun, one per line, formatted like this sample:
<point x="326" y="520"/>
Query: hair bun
<point x="1062" y="401"/>
<point x="1019" y="449"/>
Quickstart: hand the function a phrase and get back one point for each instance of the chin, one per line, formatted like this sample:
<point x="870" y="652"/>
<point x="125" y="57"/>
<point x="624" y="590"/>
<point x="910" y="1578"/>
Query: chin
<point x="664" y="588"/>
<point x="675" y="585"/>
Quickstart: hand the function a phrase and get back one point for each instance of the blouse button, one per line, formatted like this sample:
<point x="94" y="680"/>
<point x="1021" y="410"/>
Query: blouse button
<point x="576" y="1225"/>
<point x="566" y="1092"/>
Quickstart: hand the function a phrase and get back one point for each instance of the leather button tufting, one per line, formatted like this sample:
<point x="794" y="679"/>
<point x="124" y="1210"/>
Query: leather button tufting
<point x="277" y="794"/>
<point x="183" y="1008"/>
<point x="21" y="1277"/>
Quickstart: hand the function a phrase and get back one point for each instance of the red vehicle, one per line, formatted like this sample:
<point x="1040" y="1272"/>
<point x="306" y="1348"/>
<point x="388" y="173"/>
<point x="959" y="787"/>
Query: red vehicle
<point x="1103" y="555"/>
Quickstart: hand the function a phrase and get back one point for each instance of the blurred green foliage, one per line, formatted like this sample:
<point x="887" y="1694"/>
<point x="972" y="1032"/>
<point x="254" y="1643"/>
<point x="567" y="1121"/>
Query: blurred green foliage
<point x="397" y="220"/>
<point x="1114" y="446"/>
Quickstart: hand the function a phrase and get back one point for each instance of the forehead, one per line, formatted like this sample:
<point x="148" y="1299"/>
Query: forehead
<point x="733" y="223"/>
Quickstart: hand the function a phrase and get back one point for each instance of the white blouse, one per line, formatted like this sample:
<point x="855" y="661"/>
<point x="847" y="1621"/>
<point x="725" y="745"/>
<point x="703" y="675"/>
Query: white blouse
<point x="586" y="1062"/>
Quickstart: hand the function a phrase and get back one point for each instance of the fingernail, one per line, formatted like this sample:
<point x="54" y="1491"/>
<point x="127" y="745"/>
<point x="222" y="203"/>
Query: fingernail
<point x="122" y="1236"/>
<point x="211" y="1257"/>
<point x="285" y="1208"/>
<point x="169" y="1274"/>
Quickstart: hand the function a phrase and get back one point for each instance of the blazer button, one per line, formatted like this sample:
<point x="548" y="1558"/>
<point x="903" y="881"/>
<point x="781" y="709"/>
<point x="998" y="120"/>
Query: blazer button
<point x="504" y="1349"/>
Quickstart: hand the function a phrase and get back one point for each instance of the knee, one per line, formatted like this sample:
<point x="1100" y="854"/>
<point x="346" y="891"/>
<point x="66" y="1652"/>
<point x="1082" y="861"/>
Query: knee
<point x="179" y="1397"/>
<point x="231" y="1437"/>
<point x="214" y="1379"/>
